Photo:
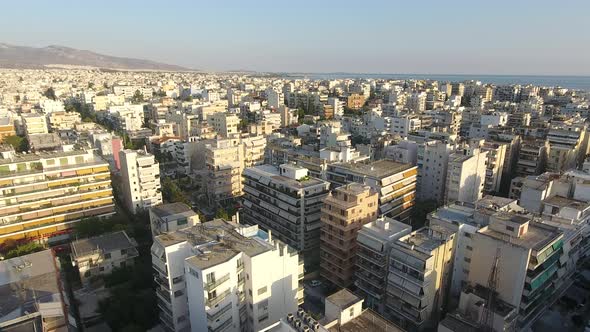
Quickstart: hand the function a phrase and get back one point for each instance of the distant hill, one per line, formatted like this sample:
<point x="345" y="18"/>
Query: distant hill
<point x="12" y="56"/>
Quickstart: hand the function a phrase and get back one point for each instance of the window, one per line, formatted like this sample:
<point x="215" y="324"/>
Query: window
<point x="177" y="280"/>
<point x="351" y="311"/>
<point x="262" y="290"/>
<point x="467" y="260"/>
<point x="101" y="269"/>
<point x="182" y="221"/>
<point x="262" y="318"/>
<point x="210" y="277"/>
<point x="107" y="255"/>
<point x="178" y="293"/>
<point x="250" y="292"/>
<point x="510" y="228"/>
<point x="262" y="305"/>
<point x="193" y="273"/>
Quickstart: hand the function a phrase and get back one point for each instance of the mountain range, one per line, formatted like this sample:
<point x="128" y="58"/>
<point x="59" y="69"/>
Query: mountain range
<point x="12" y="56"/>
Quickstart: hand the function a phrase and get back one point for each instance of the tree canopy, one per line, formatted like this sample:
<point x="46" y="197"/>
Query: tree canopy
<point x="20" y="144"/>
<point x="50" y="93"/>
<point x="137" y="97"/>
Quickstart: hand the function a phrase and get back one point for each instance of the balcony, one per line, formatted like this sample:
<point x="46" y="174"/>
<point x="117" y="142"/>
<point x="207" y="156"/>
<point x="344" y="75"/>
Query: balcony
<point x="217" y="299"/>
<point x="163" y="282"/>
<point x="218" y="314"/>
<point x="164" y="295"/>
<point x="215" y="283"/>
<point x="224" y="326"/>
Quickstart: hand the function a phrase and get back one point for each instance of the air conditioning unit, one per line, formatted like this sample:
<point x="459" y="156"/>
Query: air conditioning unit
<point x="305" y="328"/>
<point x="290" y="317"/>
<point x="300" y="312"/>
<point x="315" y="326"/>
<point x="297" y="323"/>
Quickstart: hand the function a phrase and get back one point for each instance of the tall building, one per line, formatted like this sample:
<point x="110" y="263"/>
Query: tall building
<point x="420" y="269"/>
<point x="140" y="175"/>
<point x="34" y="123"/>
<point x="344" y="212"/>
<point x="495" y="165"/>
<point x="355" y="101"/>
<point x="375" y="240"/>
<point x="225" y="268"/>
<point x="527" y="259"/>
<point x="286" y="201"/>
<point x="432" y="162"/>
<point x="466" y="175"/>
<point x="225" y="124"/>
<point x="395" y="183"/>
<point x="46" y="193"/>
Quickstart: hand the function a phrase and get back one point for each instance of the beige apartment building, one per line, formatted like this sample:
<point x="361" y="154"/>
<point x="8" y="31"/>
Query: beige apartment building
<point x="63" y="120"/>
<point x="344" y="212"/>
<point x="43" y="195"/>
<point x="225" y="124"/>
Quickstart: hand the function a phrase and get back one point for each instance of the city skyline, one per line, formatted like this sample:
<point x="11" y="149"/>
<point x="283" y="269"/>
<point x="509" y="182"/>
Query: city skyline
<point x="379" y="37"/>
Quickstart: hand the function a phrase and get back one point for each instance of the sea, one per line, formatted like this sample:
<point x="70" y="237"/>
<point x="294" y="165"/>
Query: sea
<point x="569" y="82"/>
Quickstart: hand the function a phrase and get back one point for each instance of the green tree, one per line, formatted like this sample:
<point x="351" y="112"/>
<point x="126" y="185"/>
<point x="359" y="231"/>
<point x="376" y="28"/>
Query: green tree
<point x="420" y="212"/>
<point x="50" y="93"/>
<point x="24" y="249"/>
<point x="172" y="193"/>
<point x="20" y="144"/>
<point x="137" y="97"/>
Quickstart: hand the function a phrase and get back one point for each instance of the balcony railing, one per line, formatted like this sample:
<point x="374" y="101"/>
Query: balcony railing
<point x="215" y="283"/>
<point x="222" y="327"/>
<point x="217" y="299"/>
<point x="215" y="316"/>
<point x="163" y="294"/>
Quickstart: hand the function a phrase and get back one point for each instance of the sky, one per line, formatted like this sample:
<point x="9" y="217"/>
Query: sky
<point x="520" y="37"/>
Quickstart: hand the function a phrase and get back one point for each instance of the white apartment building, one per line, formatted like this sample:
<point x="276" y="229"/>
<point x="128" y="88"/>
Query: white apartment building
<point x="432" y="161"/>
<point x="224" y="268"/>
<point x="375" y="240"/>
<point x="466" y="175"/>
<point x="405" y="124"/>
<point x="286" y="201"/>
<point x="275" y="98"/>
<point x="140" y="175"/>
<point x="403" y="152"/>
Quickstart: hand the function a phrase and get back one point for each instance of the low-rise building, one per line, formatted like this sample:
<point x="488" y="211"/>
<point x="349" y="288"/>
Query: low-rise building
<point x="171" y="217"/>
<point x="101" y="254"/>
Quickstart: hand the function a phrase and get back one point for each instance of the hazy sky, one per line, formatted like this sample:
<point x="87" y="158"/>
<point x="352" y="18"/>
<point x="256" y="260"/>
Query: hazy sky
<point x="422" y="37"/>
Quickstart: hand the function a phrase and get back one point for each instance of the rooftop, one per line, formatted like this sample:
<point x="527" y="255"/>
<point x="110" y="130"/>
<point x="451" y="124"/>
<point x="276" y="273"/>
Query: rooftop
<point x="377" y="169"/>
<point x="385" y="228"/>
<point x="271" y="173"/>
<point x="343" y="299"/>
<point x="104" y="243"/>
<point x="216" y="241"/>
<point x="366" y="321"/>
<point x="536" y="238"/>
<point x="25" y="281"/>
<point x="166" y="210"/>
<point x="562" y="202"/>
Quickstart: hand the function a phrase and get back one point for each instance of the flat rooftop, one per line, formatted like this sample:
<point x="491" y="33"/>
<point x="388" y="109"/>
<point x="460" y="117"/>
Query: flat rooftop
<point x="25" y="281"/>
<point x="367" y="321"/>
<point x="562" y="202"/>
<point x="384" y="228"/>
<point x="166" y="210"/>
<point x="343" y="299"/>
<point x="217" y="241"/>
<point x="376" y="169"/>
<point x="270" y="172"/>
<point x="536" y="238"/>
<point x="104" y="243"/>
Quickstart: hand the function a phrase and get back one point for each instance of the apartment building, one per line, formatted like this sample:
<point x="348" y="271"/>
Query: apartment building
<point x="420" y="269"/>
<point x="527" y="259"/>
<point x="101" y="254"/>
<point x="355" y="101"/>
<point x="432" y="161"/>
<point x="345" y="211"/>
<point x="567" y="148"/>
<point x="6" y="128"/>
<point x="375" y="241"/>
<point x="494" y="165"/>
<point x="286" y="201"/>
<point x="225" y="160"/>
<point x="466" y="175"/>
<point x="63" y="120"/>
<point x="140" y="180"/>
<point x="224" y="266"/>
<point x="225" y="124"/>
<point x="166" y="218"/>
<point x="46" y="193"/>
<point x="532" y="157"/>
<point x="394" y="182"/>
<point x="34" y="123"/>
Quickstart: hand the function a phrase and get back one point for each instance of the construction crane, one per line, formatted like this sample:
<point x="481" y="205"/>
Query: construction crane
<point x="487" y="319"/>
